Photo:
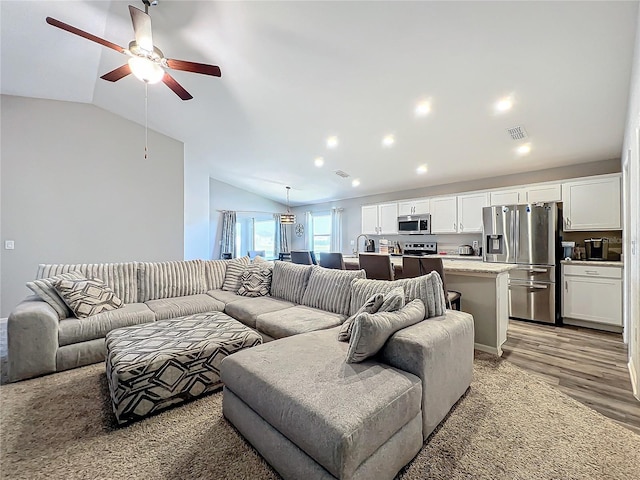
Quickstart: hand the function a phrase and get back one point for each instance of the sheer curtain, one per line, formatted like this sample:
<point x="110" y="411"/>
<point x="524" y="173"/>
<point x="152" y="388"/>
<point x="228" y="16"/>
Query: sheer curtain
<point x="281" y="240"/>
<point x="336" y="230"/>
<point x="228" y="243"/>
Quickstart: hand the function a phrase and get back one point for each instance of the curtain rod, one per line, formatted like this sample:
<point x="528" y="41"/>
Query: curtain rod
<point x="249" y="211"/>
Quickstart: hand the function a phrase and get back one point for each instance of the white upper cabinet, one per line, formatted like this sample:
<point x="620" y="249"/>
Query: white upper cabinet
<point x="544" y="193"/>
<point x="470" y="212"/>
<point x="414" y="207"/>
<point x="444" y="215"/>
<point x="380" y="219"/>
<point x="507" y="197"/>
<point x="592" y="204"/>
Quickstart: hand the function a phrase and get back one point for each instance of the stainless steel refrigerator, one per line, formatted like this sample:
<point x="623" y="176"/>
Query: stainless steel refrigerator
<point x="528" y="236"/>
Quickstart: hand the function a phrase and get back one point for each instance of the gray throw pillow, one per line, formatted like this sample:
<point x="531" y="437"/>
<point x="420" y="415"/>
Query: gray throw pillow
<point x="372" y="330"/>
<point x="394" y="300"/>
<point x="235" y="269"/>
<point x="87" y="296"/>
<point x="256" y="280"/>
<point x="45" y="289"/>
<point x="371" y="306"/>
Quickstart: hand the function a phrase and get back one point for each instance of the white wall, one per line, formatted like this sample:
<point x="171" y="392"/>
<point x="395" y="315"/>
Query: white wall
<point x="631" y="180"/>
<point x="223" y="196"/>
<point x="76" y="189"/>
<point x="196" y="206"/>
<point x="352" y="213"/>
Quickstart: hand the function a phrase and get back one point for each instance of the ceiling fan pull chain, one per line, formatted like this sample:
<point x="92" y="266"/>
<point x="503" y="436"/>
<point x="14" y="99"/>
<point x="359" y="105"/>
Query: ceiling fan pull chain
<point x="146" y="120"/>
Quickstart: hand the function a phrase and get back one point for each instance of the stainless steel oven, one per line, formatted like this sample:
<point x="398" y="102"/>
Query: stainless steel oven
<point x="414" y="224"/>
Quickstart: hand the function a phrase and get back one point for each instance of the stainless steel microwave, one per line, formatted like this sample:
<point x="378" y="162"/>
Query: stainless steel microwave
<point x="414" y="224"/>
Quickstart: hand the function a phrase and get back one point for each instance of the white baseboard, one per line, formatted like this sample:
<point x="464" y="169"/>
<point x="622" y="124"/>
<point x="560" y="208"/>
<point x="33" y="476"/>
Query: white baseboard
<point x="487" y="349"/>
<point x="635" y="381"/>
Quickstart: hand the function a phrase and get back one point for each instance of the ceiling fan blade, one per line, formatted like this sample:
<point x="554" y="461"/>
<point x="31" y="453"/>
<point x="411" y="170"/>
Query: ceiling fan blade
<point x="194" y="67"/>
<point x="170" y="82"/>
<point x="117" y="74"/>
<point x="142" y="28"/>
<point x="82" y="33"/>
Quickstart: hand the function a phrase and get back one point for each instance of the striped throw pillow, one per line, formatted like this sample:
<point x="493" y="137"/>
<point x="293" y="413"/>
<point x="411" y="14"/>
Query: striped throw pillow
<point x="330" y="289"/>
<point x="44" y="288"/>
<point x="171" y="279"/>
<point x="290" y="281"/>
<point x="233" y="275"/>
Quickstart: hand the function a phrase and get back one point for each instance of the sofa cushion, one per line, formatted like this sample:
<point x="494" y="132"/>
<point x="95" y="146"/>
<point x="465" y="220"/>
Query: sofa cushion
<point x="290" y="281"/>
<point x="76" y="330"/>
<point x="248" y="309"/>
<point x="224" y="296"/>
<point x="44" y="288"/>
<point x="165" y="308"/>
<point x="341" y="414"/>
<point x="372" y="330"/>
<point x="121" y="277"/>
<point x="214" y="272"/>
<point x="233" y="275"/>
<point x="330" y="289"/>
<point x="427" y="288"/>
<point x="296" y="320"/>
<point x="87" y="296"/>
<point x="256" y="279"/>
<point x="171" y="279"/>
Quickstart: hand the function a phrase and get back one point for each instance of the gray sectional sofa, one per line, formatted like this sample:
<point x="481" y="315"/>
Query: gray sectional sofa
<point x="303" y="408"/>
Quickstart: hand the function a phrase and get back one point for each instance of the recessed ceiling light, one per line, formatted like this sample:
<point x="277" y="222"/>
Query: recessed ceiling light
<point x="332" y="142"/>
<point x="421" y="169"/>
<point x="504" y="104"/>
<point x="423" y="108"/>
<point x="523" y="149"/>
<point x="388" y="140"/>
<point x="355" y="182"/>
<point x="319" y="161"/>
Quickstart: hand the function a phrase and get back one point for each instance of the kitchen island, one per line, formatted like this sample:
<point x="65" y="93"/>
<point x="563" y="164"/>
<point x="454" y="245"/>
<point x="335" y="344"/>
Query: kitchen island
<point x="485" y="295"/>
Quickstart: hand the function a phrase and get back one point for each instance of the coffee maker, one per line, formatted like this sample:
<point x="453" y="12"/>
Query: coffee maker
<point x="370" y="245"/>
<point x="597" y="248"/>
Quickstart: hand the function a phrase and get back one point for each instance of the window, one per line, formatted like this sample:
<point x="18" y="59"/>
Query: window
<point x="255" y="231"/>
<point x="320" y="232"/>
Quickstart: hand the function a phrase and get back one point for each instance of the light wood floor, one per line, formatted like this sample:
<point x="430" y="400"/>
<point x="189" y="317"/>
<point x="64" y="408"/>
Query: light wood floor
<point x="588" y="365"/>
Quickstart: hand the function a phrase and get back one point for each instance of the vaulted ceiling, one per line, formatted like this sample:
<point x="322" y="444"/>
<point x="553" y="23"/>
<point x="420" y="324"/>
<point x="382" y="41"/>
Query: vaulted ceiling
<point x="295" y="73"/>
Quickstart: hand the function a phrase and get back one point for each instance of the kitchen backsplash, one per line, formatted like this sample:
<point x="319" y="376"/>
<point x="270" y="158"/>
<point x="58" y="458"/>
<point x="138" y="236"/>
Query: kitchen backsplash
<point x="448" y="243"/>
<point x="615" y="240"/>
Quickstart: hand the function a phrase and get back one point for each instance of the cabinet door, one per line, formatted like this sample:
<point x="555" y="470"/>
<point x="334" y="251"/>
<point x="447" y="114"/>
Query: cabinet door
<point x="592" y="299"/>
<point x="507" y="197"/>
<point x="470" y="212"/>
<point x="388" y="218"/>
<point x="444" y="215"/>
<point x="544" y="193"/>
<point x="370" y="219"/>
<point x="421" y="206"/>
<point x="592" y="204"/>
<point x="406" y="208"/>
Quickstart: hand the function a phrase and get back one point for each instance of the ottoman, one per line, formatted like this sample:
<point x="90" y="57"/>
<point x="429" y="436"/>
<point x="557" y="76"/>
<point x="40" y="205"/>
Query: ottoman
<point x="153" y="366"/>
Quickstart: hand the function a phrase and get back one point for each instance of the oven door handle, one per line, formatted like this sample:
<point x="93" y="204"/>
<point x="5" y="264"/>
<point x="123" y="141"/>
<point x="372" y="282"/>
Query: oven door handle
<point x="529" y="285"/>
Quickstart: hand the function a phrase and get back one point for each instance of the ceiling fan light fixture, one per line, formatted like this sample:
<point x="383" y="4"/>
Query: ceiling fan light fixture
<point x="146" y="70"/>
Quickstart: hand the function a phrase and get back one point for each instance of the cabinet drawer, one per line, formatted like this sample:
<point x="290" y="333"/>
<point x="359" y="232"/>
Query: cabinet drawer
<point x="592" y="271"/>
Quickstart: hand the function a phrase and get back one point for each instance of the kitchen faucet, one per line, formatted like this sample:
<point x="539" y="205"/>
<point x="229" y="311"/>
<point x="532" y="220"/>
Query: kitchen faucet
<point x="357" y="250"/>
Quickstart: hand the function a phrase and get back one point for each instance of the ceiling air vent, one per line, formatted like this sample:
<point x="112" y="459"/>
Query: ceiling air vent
<point x="517" y="133"/>
<point x="342" y="174"/>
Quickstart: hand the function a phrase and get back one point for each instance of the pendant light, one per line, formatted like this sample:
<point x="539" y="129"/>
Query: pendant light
<point x="288" y="218"/>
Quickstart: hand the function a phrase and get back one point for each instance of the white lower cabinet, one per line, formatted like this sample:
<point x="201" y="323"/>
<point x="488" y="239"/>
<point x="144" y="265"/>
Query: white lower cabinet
<point x="592" y="294"/>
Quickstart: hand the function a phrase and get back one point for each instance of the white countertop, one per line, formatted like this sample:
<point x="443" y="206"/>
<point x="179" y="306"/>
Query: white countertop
<point x="595" y="263"/>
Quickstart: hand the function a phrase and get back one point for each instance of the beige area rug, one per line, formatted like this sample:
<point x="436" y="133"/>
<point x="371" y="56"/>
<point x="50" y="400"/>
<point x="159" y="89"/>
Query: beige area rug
<point x="509" y="425"/>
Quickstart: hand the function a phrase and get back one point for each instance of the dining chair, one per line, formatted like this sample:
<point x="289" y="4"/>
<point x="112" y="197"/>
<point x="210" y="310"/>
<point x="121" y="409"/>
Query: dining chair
<point x="302" y="257"/>
<point x="417" y="266"/>
<point x="284" y="256"/>
<point x="331" y="260"/>
<point x="255" y="253"/>
<point x="376" y="265"/>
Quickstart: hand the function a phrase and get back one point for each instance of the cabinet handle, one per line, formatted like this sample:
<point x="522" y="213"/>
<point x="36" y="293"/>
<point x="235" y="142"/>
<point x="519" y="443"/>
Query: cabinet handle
<point x="461" y="227"/>
<point x="568" y="221"/>
<point x="592" y="272"/>
<point x="566" y="286"/>
<point x="454" y="227"/>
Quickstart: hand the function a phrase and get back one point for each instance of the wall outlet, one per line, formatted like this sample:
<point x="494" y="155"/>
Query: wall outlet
<point x="9" y="245"/>
<point x="475" y="245"/>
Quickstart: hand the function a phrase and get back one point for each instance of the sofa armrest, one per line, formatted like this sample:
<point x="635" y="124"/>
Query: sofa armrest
<point x="439" y="350"/>
<point x="32" y="335"/>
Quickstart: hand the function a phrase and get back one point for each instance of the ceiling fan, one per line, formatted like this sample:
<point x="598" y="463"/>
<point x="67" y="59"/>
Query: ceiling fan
<point x="146" y="62"/>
